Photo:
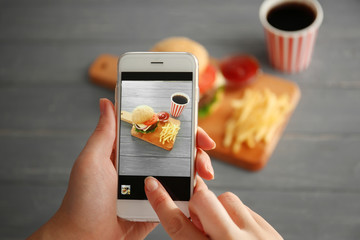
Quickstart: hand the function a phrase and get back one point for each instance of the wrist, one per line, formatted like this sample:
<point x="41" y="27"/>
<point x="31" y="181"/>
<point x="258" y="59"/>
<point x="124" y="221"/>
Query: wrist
<point x="58" y="227"/>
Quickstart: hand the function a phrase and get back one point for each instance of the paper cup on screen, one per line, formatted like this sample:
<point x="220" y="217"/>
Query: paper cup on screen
<point x="289" y="48"/>
<point x="178" y="103"/>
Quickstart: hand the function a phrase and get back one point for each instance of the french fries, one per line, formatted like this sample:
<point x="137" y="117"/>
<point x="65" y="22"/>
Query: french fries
<point x="255" y="118"/>
<point x="169" y="132"/>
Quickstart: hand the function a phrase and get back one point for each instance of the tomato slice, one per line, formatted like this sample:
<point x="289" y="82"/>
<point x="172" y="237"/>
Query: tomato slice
<point x="239" y="69"/>
<point x="207" y="79"/>
<point x="152" y="120"/>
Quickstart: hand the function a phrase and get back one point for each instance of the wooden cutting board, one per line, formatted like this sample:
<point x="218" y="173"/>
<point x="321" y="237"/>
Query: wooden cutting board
<point x="257" y="157"/>
<point x="154" y="137"/>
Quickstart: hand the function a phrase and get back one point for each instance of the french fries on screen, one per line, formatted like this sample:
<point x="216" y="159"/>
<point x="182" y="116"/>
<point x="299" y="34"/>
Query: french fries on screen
<point x="255" y="118"/>
<point x="169" y="132"/>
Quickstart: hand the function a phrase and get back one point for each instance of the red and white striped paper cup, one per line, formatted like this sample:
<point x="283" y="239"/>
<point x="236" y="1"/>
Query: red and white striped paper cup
<point x="177" y="107"/>
<point x="290" y="51"/>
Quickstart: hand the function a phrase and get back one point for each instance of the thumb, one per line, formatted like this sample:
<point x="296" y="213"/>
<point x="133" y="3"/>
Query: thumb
<point x="101" y="142"/>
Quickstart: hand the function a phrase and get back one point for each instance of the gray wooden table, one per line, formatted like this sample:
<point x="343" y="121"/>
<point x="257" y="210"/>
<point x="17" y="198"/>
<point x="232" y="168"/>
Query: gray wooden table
<point x="310" y="188"/>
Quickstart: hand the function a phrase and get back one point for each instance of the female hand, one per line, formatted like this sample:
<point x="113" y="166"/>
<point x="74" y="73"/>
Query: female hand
<point x="223" y="217"/>
<point x="88" y="210"/>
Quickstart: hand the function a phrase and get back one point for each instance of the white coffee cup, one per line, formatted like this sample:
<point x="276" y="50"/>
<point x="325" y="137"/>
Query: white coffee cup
<point x="178" y="103"/>
<point x="290" y="50"/>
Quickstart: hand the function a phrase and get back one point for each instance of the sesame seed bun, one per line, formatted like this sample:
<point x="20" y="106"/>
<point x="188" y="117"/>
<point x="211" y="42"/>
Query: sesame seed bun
<point x="183" y="44"/>
<point x="141" y="114"/>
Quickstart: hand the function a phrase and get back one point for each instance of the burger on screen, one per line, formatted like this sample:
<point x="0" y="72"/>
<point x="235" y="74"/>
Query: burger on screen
<point x="144" y="119"/>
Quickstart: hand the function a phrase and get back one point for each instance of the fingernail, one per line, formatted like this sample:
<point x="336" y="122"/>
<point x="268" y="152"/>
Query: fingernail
<point x="102" y="105"/>
<point x="214" y="144"/>
<point x="210" y="170"/>
<point x="151" y="184"/>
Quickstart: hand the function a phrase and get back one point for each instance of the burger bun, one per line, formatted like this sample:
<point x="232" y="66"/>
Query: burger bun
<point x="184" y="44"/>
<point x="141" y="114"/>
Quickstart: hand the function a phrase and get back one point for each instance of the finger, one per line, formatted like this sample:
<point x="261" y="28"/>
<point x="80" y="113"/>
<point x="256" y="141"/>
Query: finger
<point x="263" y="223"/>
<point x="213" y="217"/>
<point x="204" y="141"/>
<point x="238" y="212"/>
<point x="113" y="157"/>
<point x="100" y="144"/>
<point x="135" y="230"/>
<point x="200" y="184"/>
<point x="196" y="221"/>
<point x="173" y="220"/>
<point x="203" y="165"/>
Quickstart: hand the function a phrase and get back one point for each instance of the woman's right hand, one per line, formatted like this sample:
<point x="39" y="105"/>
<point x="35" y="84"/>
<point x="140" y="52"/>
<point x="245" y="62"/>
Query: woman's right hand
<point x="223" y="217"/>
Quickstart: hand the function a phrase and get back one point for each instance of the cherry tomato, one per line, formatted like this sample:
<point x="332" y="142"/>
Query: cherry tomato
<point x="207" y="79"/>
<point x="239" y="69"/>
<point x="152" y="120"/>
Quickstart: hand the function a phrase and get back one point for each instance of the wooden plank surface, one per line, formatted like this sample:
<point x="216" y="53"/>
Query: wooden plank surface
<point x="254" y="158"/>
<point x="152" y="137"/>
<point x="309" y="189"/>
<point x="155" y="138"/>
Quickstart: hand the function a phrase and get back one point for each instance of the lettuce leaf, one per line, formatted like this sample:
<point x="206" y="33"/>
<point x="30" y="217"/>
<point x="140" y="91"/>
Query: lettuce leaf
<point x="148" y="131"/>
<point x="206" y="110"/>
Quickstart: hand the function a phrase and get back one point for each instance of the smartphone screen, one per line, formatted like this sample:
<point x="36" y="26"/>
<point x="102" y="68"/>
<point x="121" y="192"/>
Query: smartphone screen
<point x="149" y="147"/>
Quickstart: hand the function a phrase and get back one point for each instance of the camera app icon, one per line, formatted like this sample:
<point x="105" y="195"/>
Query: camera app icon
<point x="125" y="189"/>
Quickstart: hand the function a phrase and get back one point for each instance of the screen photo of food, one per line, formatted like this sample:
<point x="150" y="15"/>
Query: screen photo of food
<point x="155" y="128"/>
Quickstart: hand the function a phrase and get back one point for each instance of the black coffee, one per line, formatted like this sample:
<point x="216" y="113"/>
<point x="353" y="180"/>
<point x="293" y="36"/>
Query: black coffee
<point x="179" y="99"/>
<point x="291" y="16"/>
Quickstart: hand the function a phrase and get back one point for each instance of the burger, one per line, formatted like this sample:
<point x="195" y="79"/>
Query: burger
<point x="144" y="119"/>
<point x="211" y="81"/>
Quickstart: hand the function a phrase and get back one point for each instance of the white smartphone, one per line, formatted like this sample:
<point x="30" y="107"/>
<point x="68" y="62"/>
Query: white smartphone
<point x="156" y="103"/>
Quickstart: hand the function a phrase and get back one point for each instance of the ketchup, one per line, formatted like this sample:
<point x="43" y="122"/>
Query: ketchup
<point x="239" y="69"/>
<point x="163" y="116"/>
